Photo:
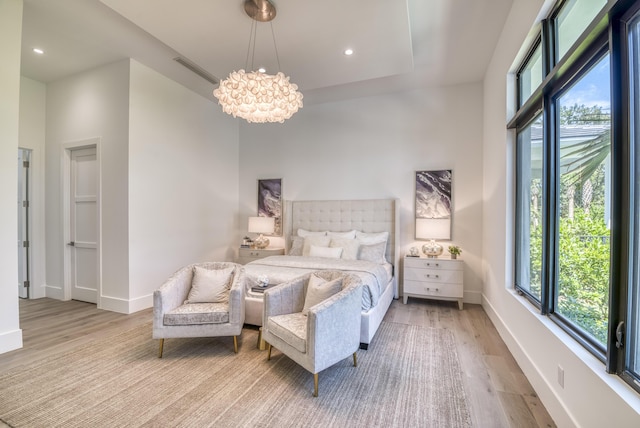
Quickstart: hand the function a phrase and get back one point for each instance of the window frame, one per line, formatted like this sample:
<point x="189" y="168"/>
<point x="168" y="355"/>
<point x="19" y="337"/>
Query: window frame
<point x="607" y="33"/>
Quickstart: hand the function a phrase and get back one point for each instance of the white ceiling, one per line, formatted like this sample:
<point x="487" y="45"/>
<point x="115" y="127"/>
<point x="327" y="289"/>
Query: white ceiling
<point x="398" y="43"/>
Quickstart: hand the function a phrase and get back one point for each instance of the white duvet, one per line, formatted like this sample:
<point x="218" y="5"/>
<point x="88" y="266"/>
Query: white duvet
<point x="278" y="269"/>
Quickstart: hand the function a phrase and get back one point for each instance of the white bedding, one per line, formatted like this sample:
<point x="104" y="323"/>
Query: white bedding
<point x="278" y="269"/>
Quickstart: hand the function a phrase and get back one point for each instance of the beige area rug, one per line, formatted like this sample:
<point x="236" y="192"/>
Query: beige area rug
<point x="409" y="377"/>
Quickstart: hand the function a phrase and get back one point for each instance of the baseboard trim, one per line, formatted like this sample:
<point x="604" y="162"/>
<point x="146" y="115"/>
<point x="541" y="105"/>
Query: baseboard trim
<point x="10" y="340"/>
<point x="140" y="303"/>
<point x="54" y="292"/>
<point x="124" y="306"/>
<point x="473" y="297"/>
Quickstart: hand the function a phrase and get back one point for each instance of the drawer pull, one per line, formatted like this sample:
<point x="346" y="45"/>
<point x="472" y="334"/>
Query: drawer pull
<point x="429" y="276"/>
<point x="427" y="264"/>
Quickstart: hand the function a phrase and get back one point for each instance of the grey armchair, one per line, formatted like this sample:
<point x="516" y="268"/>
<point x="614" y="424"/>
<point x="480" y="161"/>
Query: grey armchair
<point x="174" y="318"/>
<point x="328" y="333"/>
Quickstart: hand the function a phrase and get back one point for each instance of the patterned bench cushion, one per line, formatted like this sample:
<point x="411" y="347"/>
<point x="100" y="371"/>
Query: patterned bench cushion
<point x="292" y="328"/>
<point x="198" y="313"/>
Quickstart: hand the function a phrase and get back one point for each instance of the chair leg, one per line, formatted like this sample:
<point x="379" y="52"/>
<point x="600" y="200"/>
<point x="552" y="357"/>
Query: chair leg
<point x="259" y="337"/>
<point x="315" y="384"/>
<point x="355" y="360"/>
<point x="268" y="351"/>
<point x="161" y="346"/>
<point x="235" y="344"/>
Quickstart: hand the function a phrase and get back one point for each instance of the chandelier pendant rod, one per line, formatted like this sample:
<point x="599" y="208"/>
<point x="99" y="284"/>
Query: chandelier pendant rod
<point x="251" y="48"/>
<point x="273" y="34"/>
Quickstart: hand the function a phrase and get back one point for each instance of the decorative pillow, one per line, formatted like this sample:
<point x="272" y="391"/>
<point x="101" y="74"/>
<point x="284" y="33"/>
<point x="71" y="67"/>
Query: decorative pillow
<point x="210" y="285"/>
<point x="319" y="241"/>
<point x="349" y="247"/>
<point x="330" y="253"/>
<point x="348" y="235"/>
<point x="373" y="253"/>
<point x="372" y="238"/>
<point x="297" y="243"/>
<point x="304" y="233"/>
<point x="319" y="289"/>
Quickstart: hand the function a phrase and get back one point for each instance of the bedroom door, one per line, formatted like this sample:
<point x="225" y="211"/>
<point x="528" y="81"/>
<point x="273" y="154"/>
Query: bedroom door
<point x="83" y="225"/>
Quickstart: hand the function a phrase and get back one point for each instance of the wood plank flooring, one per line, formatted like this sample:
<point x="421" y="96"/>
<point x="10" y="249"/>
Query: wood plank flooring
<point x="499" y="394"/>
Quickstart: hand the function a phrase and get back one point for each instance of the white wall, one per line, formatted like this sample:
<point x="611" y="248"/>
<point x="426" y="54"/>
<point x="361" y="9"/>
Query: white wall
<point x="590" y="397"/>
<point x="183" y="181"/>
<point x="10" y="41"/>
<point x="89" y="105"/>
<point x="370" y="148"/>
<point x="32" y="136"/>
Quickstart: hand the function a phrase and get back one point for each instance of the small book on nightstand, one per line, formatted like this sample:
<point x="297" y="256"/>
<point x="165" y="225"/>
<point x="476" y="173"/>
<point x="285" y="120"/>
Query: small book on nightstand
<point x="260" y="289"/>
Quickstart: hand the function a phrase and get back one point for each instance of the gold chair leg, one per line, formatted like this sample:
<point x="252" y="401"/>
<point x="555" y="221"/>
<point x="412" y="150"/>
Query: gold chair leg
<point x="161" y="345"/>
<point x="315" y="384"/>
<point x="235" y="344"/>
<point x="355" y="360"/>
<point x="268" y="351"/>
<point x="259" y="337"/>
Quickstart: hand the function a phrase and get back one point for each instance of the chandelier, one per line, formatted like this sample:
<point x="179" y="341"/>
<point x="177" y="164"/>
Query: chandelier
<point x="257" y="96"/>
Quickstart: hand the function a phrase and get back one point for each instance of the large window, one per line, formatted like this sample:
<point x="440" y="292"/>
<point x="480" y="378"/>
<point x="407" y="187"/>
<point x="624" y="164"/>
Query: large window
<point x="584" y="140"/>
<point x="529" y="257"/>
<point x="578" y="178"/>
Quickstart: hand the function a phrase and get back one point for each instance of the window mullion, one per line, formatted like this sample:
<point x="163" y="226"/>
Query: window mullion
<point x="549" y="269"/>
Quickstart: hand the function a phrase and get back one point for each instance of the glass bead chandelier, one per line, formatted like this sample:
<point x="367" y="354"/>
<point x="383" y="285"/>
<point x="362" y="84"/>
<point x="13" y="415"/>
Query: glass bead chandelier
<point x="256" y="96"/>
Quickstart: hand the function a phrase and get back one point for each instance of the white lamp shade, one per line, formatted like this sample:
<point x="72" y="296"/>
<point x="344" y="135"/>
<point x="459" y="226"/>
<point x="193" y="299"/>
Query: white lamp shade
<point x="433" y="228"/>
<point x="262" y="224"/>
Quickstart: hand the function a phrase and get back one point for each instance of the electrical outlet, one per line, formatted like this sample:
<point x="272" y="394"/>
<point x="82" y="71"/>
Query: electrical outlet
<point x="561" y="376"/>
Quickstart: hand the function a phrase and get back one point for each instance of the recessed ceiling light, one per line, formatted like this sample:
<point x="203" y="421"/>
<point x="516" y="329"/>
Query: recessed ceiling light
<point x="348" y="52"/>
<point x="38" y="51"/>
<point x="262" y="70"/>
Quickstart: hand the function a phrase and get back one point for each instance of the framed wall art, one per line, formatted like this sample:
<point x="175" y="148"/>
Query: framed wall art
<point x="433" y="206"/>
<point x="270" y="201"/>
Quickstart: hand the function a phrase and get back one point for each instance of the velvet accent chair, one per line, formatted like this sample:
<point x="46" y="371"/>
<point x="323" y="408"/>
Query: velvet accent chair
<point x="178" y="312"/>
<point x="327" y="333"/>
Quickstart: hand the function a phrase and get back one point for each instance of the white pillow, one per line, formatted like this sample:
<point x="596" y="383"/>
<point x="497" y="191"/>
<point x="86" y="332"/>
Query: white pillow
<point x="319" y="289"/>
<point x="329" y="253"/>
<point x="297" y="244"/>
<point x="304" y="233"/>
<point x="210" y="285"/>
<point x="349" y="247"/>
<point x="373" y="253"/>
<point x="372" y="238"/>
<point x="319" y="241"/>
<point x="348" y="235"/>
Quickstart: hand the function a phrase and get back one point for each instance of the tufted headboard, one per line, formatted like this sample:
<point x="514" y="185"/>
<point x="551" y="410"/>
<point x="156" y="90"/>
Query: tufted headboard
<point x="372" y="215"/>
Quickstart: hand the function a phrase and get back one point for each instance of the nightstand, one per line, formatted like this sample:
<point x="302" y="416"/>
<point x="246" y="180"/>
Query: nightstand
<point x="246" y="255"/>
<point x="440" y="279"/>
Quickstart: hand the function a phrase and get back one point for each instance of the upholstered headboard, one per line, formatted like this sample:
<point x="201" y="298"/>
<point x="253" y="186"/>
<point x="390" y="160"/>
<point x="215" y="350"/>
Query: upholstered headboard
<point x="372" y="215"/>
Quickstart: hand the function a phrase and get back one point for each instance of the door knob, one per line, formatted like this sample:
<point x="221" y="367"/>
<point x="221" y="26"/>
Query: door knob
<point x="71" y="244"/>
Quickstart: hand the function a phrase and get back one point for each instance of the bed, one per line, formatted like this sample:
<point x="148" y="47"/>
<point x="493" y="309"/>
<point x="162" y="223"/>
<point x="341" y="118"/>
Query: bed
<point x="369" y="220"/>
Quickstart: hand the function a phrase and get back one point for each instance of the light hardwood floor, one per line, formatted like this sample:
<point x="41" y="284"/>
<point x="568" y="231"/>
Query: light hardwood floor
<point x="498" y="392"/>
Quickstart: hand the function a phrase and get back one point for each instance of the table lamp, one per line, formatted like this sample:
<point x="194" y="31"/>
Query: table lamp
<point x="261" y="225"/>
<point x="432" y="229"/>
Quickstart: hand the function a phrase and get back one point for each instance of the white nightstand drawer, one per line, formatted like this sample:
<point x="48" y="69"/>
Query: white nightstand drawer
<point x="433" y="289"/>
<point x="422" y="263"/>
<point x="246" y="255"/>
<point x="434" y="275"/>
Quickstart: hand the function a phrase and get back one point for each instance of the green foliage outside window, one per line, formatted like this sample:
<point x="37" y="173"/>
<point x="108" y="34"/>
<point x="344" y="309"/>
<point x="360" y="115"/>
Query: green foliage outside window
<point x="584" y="246"/>
<point x="583" y="295"/>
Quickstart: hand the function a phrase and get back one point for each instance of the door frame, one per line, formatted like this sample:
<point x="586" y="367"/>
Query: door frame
<point x="24" y="219"/>
<point x="66" y="212"/>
